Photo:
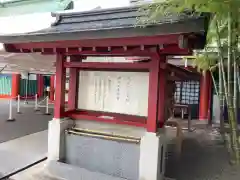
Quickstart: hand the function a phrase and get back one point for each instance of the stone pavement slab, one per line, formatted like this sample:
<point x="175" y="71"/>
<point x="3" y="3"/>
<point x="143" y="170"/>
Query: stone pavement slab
<point x="59" y="171"/>
<point x="21" y="152"/>
<point x="26" y="123"/>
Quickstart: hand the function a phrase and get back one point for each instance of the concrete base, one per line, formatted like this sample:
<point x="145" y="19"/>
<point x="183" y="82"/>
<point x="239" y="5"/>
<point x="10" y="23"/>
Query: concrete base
<point x="47" y="114"/>
<point x="152" y="156"/>
<point x="22" y="152"/>
<point x="64" y="171"/>
<point x="91" y="156"/>
<point x="11" y="120"/>
<point x="56" y="142"/>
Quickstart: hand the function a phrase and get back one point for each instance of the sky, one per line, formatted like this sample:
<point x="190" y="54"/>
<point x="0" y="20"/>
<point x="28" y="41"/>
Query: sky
<point x="82" y="4"/>
<point x="37" y="21"/>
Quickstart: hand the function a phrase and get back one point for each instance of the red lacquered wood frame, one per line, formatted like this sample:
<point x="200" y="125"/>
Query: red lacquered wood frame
<point x="59" y="104"/>
<point x="154" y="47"/>
<point x="116" y="118"/>
<point x="107" y="66"/>
<point x="126" y="41"/>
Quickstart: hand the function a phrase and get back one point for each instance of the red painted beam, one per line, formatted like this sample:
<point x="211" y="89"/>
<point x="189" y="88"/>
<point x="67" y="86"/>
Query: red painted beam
<point x="175" y="50"/>
<point x="127" y="41"/>
<point x="114" y="52"/>
<point x="153" y="94"/>
<point x="52" y="87"/>
<point x="40" y="85"/>
<point x="162" y="93"/>
<point x="205" y="87"/>
<point x="15" y="85"/>
<point x="59" y="106"/>
<point x="136" y="51"/>
<point x="109" y="66"/>
<point x="182" y="73"/>
<point x="116" y="118"/>
<point x="73" y="85"/>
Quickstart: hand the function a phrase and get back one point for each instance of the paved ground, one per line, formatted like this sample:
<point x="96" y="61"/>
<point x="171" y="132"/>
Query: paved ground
<point x="203" y="158"/>
<point x="23" y="141"/>
<point x="22" y="152"/>
<point x="26" y="123"/>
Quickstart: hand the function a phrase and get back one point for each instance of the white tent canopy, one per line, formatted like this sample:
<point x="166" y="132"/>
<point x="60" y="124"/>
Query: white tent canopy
<point x="33" y="62"/>
<point x="25" y="62"/>
<point x="36" y="63"/>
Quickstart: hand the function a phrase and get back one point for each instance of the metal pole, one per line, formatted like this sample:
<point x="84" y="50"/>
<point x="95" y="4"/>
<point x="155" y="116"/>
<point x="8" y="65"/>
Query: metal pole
<point x="10" y="118"/>
<point x="26" y="92"/>
<point x="36" y="103"/>
<point x="18" y="104"/>
<point x="47" y="110"/>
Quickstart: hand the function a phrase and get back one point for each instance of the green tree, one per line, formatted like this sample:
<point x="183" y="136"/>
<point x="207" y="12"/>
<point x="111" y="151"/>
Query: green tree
<point x="221" y="52"/>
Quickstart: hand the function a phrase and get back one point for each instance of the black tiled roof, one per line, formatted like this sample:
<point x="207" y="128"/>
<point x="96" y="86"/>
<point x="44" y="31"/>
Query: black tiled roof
<point x="105" y="19"/>
<point x="110" y="23"/>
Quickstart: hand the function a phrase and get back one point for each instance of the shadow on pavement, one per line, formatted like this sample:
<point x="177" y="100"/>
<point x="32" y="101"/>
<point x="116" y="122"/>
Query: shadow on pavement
<point x="201" y="159"/>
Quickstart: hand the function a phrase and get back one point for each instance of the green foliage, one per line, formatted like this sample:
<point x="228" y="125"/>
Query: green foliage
<point x="151" y="13"/>
<point x="221" y="52"/>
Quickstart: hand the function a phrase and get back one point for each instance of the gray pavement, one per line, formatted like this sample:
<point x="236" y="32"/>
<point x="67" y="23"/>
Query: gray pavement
<point x="22" y="152"/>
<point x="203" y="158"/>
<point x="26" y="123"/>
<point x="23" y="141"/>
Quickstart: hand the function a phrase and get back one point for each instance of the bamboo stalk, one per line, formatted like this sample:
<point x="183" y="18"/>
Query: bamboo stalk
<point x="231" y="110"/>
<point x="226" y="89"/>
<point x="214" y="83"/>
<point x="222" y="127"/>
<point x="221" y="57"/>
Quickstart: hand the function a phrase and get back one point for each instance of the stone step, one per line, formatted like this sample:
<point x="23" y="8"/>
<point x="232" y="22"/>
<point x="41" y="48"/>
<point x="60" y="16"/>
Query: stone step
<point x="59" y="171"/>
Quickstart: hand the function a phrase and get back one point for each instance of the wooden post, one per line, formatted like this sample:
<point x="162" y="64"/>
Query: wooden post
<point x="40" y="85"/>
<point x="204" y="96"/>
<point x="52" y="87"/>
<point x="162" y="90"/>
<point x="59" y="106"/>
<point x="73" y="85"/>
<point x="153" y="94"/>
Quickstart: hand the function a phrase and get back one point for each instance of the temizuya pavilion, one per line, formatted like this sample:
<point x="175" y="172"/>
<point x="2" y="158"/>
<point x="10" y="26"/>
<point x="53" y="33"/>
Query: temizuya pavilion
<point x="111" y="143"/>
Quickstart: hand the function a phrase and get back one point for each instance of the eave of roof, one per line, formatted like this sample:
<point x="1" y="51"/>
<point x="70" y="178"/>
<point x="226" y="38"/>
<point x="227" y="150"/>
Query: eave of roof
<point x="111" y="23"/>
<point x="184" y="73"/>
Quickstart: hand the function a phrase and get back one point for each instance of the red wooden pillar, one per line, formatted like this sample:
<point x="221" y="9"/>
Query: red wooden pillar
<point x="153" y="94"/>
<point x="205" y="96"/>
<point x="59" y="106"/>
<point x="52" y="84"/>
<point x="210" y="91"/>
<point x="73" y="86"/>
<point x="15" y="85"/>
<point x="40" y="85"/>
<point x="161" y="92"/>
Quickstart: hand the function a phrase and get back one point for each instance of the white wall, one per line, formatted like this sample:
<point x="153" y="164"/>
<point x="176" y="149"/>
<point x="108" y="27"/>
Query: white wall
<point x="30" y="77"/>
<point x="216" y="109"/>
<point x="120" y="92"/>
